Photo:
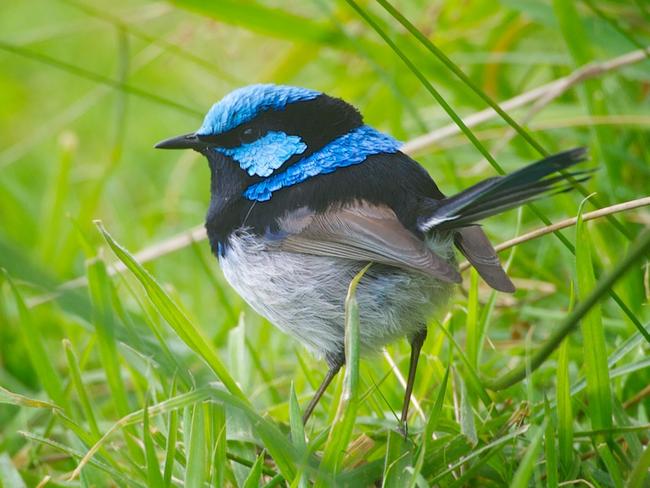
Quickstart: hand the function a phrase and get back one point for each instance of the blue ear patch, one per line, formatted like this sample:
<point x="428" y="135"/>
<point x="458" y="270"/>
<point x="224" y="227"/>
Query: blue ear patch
<point x="243" y="104"/>
<point x="351" y="148"/>
<point x="265" y="155"/>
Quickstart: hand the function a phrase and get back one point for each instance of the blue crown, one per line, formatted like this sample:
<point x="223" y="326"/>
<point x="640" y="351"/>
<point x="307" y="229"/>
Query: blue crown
<point x="245" y="103"/>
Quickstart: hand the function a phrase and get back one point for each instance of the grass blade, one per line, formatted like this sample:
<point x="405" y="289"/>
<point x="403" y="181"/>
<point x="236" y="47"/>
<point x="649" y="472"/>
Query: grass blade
<point x="595" y="352"/>
<point x="397" y="461"/>
<point x="527" y="464"/>
<point x="174" y="316"/>
<point x="154" y="478"/>
<point x="253" y="478"/>
<point x="75" y="375"/>
<point x="196" y="454"/>
<point x="564" y="409"/>
<point x="346" y="413"/>
<point x="38" y="356"/>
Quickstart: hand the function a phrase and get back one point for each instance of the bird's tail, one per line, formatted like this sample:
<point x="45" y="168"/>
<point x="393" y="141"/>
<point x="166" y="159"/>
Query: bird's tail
<point x="501" y="193"/>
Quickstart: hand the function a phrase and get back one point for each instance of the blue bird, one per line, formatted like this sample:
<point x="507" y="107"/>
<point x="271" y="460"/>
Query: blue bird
<point x="304" y="195"/>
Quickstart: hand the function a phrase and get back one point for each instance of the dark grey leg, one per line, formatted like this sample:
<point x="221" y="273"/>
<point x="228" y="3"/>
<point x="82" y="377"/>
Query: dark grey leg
<point x="335" y="362"/>
<point x="416" y="346"/>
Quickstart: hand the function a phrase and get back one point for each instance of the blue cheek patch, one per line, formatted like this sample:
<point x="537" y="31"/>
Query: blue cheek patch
<point x="266" y="154"/>
<point x="347" y="150"/>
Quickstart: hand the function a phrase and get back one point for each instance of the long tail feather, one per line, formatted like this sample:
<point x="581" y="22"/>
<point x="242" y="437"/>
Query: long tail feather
<point x="496" y="195"/>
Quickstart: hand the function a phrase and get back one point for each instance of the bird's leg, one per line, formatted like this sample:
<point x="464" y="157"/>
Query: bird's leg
<point x="416" y="346"/>
<point x="335" y="362"/>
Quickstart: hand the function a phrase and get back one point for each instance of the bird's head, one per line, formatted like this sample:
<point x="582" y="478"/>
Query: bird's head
<point x="274" y="134"/>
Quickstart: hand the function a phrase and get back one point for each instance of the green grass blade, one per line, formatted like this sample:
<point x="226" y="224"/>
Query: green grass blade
<point x="192" y="336"/>
<point x="297" y="434"/>
<point x="253" y="478"/>
<point x="397" y="461"/>
<point x="196" y="453"/>
<point x="527" y="464"/>
<point x="100" y="289"/>
<point x="38" y="356"/>
<point x="595" y="352"/>
<point x="639" y="475"/>
<point x="426" y="42"/>
<point x="564" y="408"/>
<point x="220" y="466"/>
<point x="154" y="478"/>
<point x="346" y="413"/>
<point x="10" y="398"/>
<point x="170" y="448"/>
<point x="175" y="317"/>
<point x="467" y="424"/>
<point x="84" y="400"/>
<point x="474" y="336"/>
<point x="550" y="448"/>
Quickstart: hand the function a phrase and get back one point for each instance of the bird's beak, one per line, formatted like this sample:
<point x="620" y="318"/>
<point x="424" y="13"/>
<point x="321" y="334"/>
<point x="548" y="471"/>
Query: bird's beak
<point x="186" y="141"/>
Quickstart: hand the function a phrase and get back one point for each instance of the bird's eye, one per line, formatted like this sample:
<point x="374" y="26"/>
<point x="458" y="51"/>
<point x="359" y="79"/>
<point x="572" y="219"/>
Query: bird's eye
<point x="249" y="135"/>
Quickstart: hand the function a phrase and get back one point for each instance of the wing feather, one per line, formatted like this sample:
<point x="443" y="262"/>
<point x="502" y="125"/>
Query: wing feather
<point x="363" y="232"/>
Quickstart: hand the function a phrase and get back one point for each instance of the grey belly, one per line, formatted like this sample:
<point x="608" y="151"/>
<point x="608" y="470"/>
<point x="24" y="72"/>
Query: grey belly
<point x="304" y="295"/>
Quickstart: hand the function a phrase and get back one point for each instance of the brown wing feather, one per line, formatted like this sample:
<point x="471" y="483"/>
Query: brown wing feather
<point x="366" y="233"/>
<point x="478" y="250"/>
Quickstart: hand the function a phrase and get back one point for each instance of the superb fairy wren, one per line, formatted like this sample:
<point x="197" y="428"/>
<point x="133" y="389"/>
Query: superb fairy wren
<point x="304" y="195"/>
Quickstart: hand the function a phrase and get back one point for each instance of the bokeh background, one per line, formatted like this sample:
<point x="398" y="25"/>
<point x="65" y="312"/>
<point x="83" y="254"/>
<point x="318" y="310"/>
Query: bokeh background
<point x="88" y="87"/>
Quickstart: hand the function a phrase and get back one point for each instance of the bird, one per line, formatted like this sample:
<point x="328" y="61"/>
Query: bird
<point x="304" y="194"/>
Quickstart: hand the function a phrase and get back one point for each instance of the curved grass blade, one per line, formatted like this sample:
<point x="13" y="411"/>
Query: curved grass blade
<point x="174" y="316"/>
<point x="193" y="337"/>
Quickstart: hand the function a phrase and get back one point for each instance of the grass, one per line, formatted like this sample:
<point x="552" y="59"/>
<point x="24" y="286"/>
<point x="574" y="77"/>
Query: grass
<point x="160" y="375"/>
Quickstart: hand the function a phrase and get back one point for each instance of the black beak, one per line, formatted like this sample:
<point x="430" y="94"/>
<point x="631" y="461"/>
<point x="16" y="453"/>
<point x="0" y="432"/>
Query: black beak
<point x="186" y="141"/>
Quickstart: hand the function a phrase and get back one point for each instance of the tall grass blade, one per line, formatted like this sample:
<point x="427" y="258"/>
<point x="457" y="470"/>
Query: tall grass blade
<point x="82" y="393"/>
<point x="564" y="409"/>
<point x="253" y="478"/>
<point x="595" y="352"/>
<point x="346" y="413"/>
<point x="196" y="450"/>
<point x="527" y="465"/>
<point x="397" y="461"/>
<point x="154" y="478"/>
<point x="38" y="355"/>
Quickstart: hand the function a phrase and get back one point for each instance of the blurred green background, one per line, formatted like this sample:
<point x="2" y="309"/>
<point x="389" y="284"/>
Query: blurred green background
<point x="87" y="89"/>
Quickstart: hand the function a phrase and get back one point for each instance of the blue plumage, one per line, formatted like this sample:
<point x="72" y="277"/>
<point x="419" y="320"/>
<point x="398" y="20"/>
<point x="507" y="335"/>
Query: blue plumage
<point x="245" y="103"/>
<point x="352" y="148"/>
<point x="266" y="154"/>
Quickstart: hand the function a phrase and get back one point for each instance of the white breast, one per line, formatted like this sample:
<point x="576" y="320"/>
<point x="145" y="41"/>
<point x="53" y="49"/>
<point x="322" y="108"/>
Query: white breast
<point x="304" y="294"/>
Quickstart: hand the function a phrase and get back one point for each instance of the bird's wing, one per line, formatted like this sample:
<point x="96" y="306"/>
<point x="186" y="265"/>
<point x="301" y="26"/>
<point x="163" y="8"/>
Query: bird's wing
<point x="478" y="250"/>
<point x="362" y="232"/>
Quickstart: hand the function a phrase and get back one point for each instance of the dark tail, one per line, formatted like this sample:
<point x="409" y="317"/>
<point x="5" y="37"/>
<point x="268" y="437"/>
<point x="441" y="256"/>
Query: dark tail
<point x="496" y="195"/>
